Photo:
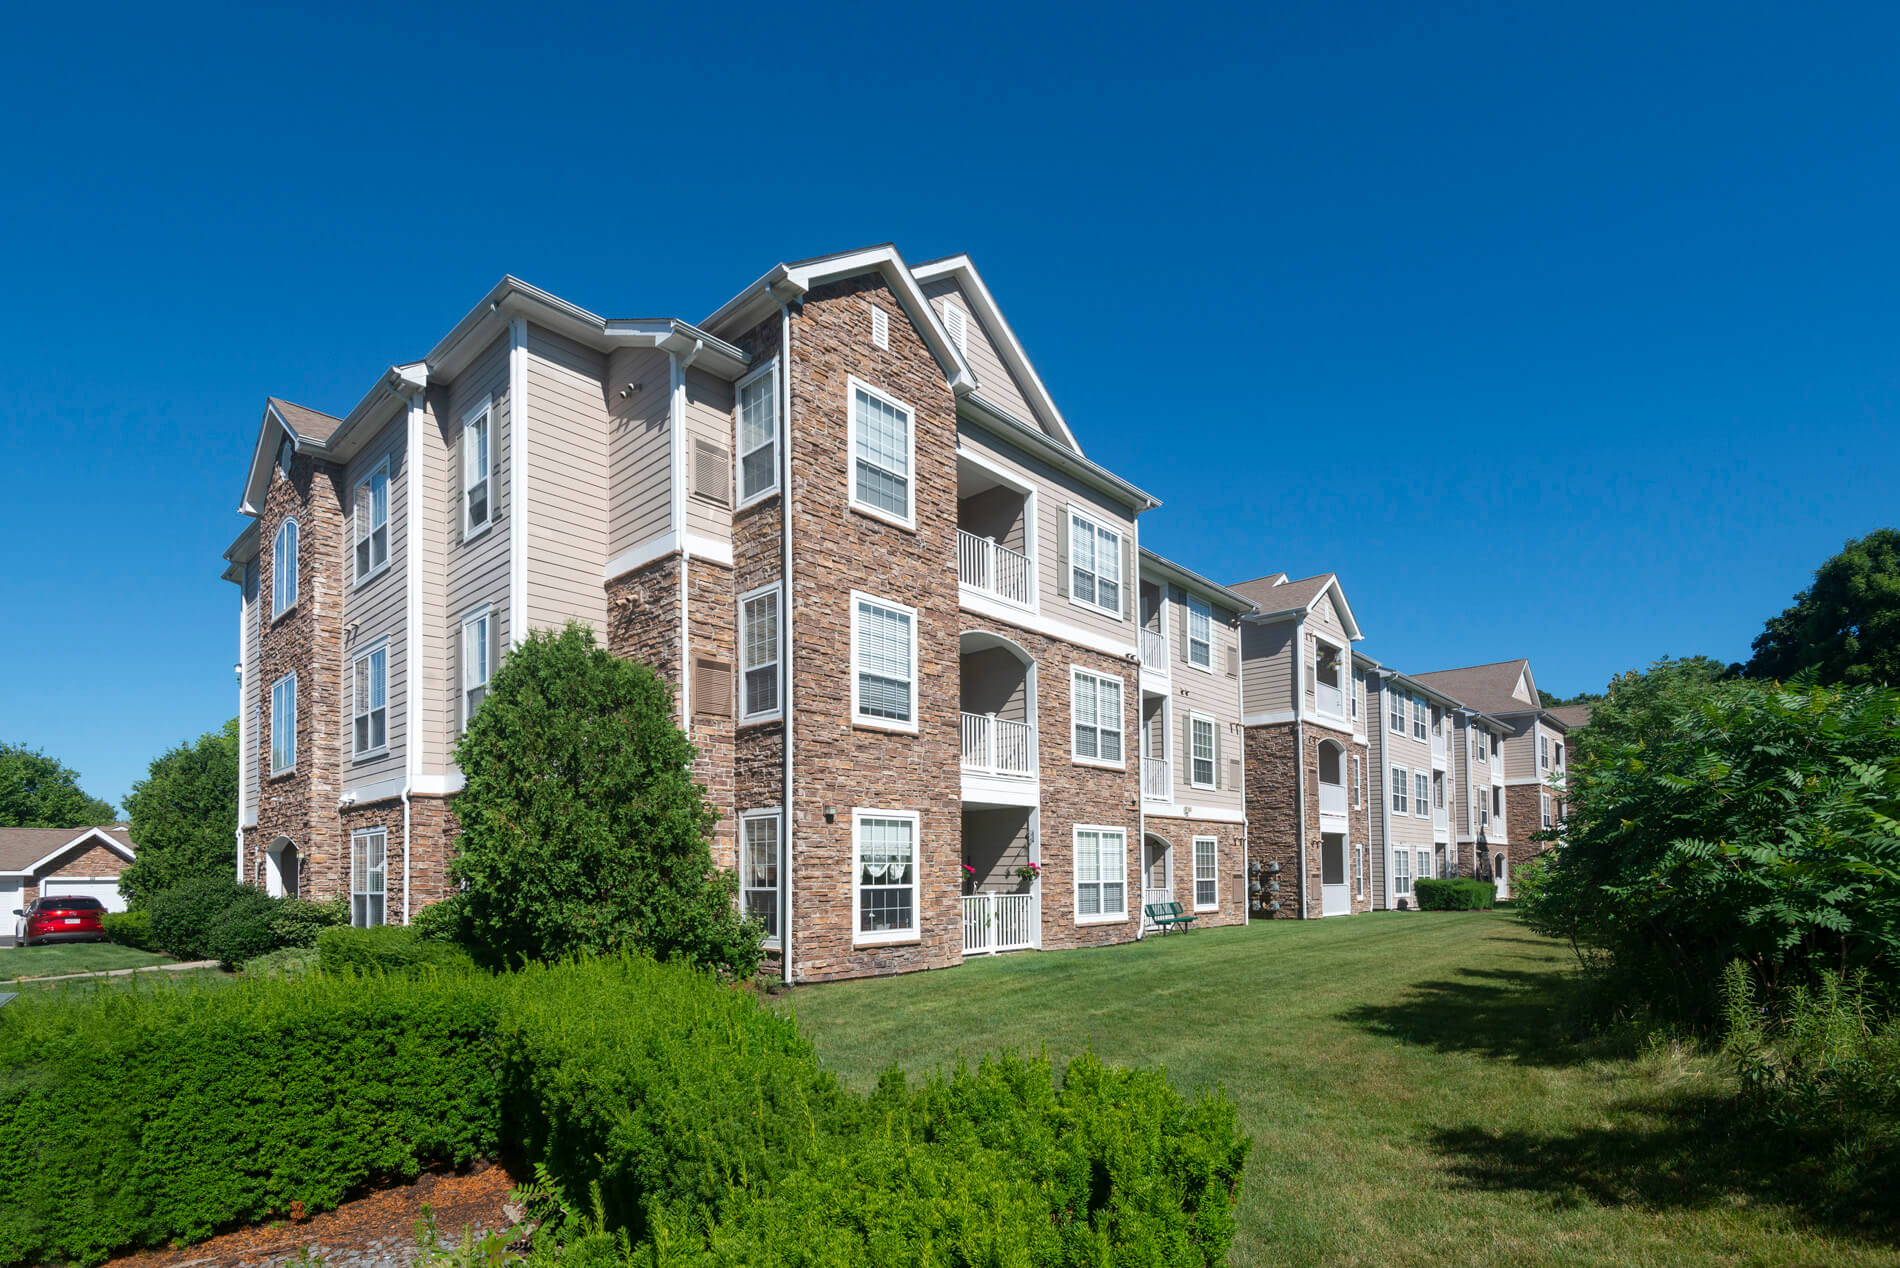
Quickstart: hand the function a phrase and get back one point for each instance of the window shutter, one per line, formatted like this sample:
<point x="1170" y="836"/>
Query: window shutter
<point x="456" y="655"/>
<point x="1217" y="756"/>
<point x="1130" y="583"/>
<point x="712" y="688"/>
<point x="1062" y="555"/>
<point x="1233" y="774"/>
<point x="1233" y="661"/>
<point x="1312" y="669"/>
<point x="1187" y="748"/>
<point x="712" y="472"/>
<point x="1177" y="599"/>
<point x="494" y="645"/>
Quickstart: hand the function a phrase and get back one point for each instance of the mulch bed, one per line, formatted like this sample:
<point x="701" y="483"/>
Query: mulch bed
<point x="376" y="1230"/>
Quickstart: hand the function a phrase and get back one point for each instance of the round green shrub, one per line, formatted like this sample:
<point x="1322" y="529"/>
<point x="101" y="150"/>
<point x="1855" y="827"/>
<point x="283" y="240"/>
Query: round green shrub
<point x="184" y="916"/>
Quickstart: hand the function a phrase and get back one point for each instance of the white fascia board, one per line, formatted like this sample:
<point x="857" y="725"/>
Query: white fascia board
<point x="991" y="315"/>
<point x="974" y="409"/>
<point x="111" y="842"/>
<point x="1188" y="579"/>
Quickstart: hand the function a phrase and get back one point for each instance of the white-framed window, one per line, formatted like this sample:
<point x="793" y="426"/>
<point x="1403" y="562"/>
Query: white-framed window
<point x="283" y="724"/>
<point x="1497" y="804"/>
<point x="1438" y="790"/>
<point x="758" y="868"/>
<point x="1421" y="794"/>
<point x="1479" y="743"/>
<point x="1395" y="713"/>
<point x="1543" y="752"/>
<point x="369" y="702"/>
<point x="369" y="522"/>
<point x="1484" y="810"/>
<point x="1401" y="787"/>
<point x="1420" y="711"/>
<point x="476" y="642"/>
<point x="1201" y="755"/>
<point x="283" y="569"/>
<point x="883" y="454"/>
<point x="757" y="403"/>
<point x="883" y="663"/>
<point x="1356" y="762"/>
<point x="884" y="874"/>
<point x="1101" y="873"/>
<point x="1200" y="632"/>
<point x="1359" y="871"/>
<point x="1206" y="873"/>
<point x="1096" y="718"/>
<point x="478" y="469"/>
<point x="1544" y="800"/>
<point x="758" y="654"/>
<point x="1095" y="564"/>
<point x="1401" y="871"/>
<point x="369" y="873"/>
<point x="1424" y="865"/>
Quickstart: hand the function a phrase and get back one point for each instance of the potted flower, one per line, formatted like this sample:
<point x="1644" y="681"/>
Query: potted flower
<point x="969" y="878"/>
<point x="1028" y="873"/>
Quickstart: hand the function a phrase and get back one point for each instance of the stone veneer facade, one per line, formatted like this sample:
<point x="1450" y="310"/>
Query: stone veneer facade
<point x="1274" y="830"/>
<point x="1231" y="863"/>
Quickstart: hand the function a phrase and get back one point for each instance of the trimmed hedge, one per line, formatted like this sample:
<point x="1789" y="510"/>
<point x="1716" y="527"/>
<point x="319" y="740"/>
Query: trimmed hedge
<point x="385" y="949"/>
<point x="217" y="918"/>
<point x="714" y="1135"/>
<point x="129" y="928"/>
<point x="1455" y="894"/>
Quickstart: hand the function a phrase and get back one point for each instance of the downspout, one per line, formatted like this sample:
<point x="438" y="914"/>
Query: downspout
<point x="518" y="481"/>
<point x="676" y="407"/>
<point x="413" y="570"/>
<point x="787" y="675"/>
<point x="244" y="660"/>
<point x="1299" y="751"/>
<point x="1141" y="802"/>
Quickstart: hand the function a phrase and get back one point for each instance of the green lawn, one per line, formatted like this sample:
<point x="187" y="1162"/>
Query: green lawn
<point x="1411" y="1091"/>
<point x="72" y="957"/>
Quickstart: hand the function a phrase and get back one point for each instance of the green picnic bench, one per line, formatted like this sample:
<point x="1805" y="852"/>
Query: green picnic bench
<point x="1167" y="916"/>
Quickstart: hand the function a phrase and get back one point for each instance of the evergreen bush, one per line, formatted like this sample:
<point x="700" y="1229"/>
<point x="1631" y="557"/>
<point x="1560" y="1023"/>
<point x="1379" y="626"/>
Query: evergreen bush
<point x="385" y="949"/>
<point x="1454" y="894"/>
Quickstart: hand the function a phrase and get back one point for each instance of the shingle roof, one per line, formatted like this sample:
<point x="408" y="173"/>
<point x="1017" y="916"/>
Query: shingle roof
<point x="1487" y="688"/>
<point x="1572" y="715"/>
<point x="308" y="423"/>
<point x="22" y="847"/>
<point x="1276" y="594"/>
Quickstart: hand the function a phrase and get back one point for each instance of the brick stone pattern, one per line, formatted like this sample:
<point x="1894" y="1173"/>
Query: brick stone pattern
<point x="307" y="640"/>
<point x="1273" y="783"/>
<point x="1231" y="863"/>
<point x="433" y="829"/>
<point x="94" y="862"/>
<point x="643" y="617"/>
<point x="712" y="620"/>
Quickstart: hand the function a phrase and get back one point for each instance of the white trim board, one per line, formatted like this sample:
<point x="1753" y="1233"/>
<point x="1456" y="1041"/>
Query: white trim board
<point x="1049" y="626"/>
<point x="699" y="545"/>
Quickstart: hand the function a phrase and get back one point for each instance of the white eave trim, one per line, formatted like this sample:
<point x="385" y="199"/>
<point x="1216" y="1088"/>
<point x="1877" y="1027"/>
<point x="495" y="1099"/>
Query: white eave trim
<point x="118" y="847"/>
<point x="1188" y="579"/>
<point x="974" y="409"/>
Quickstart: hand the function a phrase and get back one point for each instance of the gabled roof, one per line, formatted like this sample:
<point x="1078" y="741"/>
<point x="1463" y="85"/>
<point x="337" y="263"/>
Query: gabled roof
<point x="1015" y="360"/>
<point x="1503" y="687"/>
<point x="1191" y="580"/>
<point x="1571" y="716"/>
<point x="303" y="422"/>
<point x="1416" y="682"/>
<point x="24" y="851"/>
<point x="1278" y="597"/>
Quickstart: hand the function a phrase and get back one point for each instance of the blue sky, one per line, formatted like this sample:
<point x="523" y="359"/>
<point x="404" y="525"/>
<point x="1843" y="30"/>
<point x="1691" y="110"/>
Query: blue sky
<point x="1559" y="331"/>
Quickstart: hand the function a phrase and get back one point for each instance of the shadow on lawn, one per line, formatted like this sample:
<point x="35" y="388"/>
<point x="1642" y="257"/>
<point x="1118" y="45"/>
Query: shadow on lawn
<point x="1685" y="1152"/>
<point x="1510" y="1014"/>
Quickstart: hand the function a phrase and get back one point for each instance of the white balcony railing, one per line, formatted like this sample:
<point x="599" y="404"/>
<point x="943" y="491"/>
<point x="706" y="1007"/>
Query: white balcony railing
<point x="1439" y="818"/>
<point x="985" y="564"/>
<point x="1154" y="652"/>
<point x="1438" y="743"/>
<point x="1000" y="922"/>
<point x="1157" y="778"/>
<point x="1331" y="701"/>
<point x="997" y="746"/>
<point x="1332" y="798"/>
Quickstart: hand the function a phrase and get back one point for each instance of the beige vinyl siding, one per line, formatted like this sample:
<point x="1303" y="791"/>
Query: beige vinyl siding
<point x="709" y="419"/>
<point x="377" y="609"/>
<point x="1056" y="492"/>
<point x="248" y="717"/>
<point x="478" y="569"/>
<point x="428" y="553"/>
<point x="567" y="482"/>
<point x="1214" y="695"/>
<point x="1266" y="667"/>
<point x="1324" y="619"/>
<point x="639" y="447"/>
<point x="1520" y="751"/>
<point x="994" y="381"/>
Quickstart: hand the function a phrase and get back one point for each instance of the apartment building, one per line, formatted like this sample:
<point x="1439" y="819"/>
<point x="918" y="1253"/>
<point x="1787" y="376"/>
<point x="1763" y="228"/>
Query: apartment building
<point x="844" y="519"/>
<point x="1516" y="749"/>
<point x="1307" y="748"/>
<point x="1193" y="781"/>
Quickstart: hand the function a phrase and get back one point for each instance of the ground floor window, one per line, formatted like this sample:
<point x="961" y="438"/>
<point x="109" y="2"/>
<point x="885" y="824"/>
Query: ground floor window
<point x="884" y="868"/>
<point x="1359" y="871"/>
<point x="369" y="866"/>
<point x="1101" y="873"/>
<point x="1401" y="871"/>
<point x="1206" y="872"/>
<point x="1425" y="865"/>
<point x="758" y="872"/>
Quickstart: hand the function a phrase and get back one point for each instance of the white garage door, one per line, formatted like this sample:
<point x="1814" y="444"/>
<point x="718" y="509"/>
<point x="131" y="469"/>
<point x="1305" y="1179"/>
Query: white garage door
<point x="9" y="903"/>
<point x="107" y="892"/>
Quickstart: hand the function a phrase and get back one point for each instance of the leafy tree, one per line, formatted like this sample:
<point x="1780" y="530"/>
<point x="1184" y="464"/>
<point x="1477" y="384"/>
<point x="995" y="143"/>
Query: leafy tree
<point x="1846" y="626"/>
<point x="1582" y="697"/>
<point x="582" y="828"/>
<point x="37" y="791"/>
<point x="1714" y="820"/>
<point x="183" y="815"/>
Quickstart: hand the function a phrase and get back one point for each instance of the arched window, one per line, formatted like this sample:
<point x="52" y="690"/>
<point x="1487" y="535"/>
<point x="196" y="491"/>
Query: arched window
<point x="283" y="567"/>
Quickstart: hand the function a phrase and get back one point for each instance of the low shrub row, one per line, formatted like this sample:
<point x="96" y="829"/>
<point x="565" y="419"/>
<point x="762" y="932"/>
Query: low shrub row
<point x="217" y="918"/>
<point x="1454" y="894"/>
<point x="129" y="928"/>
<point x="385" y="948"/>
<point x="701" y="1120"/>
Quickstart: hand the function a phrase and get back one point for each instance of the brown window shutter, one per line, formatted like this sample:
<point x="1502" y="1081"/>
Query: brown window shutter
<point x="712" y="688"/>
<point x="712" y="472"/>
<point x="1233" y="661"/>
<point x="1233" y="774"/>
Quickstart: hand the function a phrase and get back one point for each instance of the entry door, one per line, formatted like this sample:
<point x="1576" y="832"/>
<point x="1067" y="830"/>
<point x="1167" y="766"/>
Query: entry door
<point x="1335" y="882"/>
<point x="1500" y="871"/>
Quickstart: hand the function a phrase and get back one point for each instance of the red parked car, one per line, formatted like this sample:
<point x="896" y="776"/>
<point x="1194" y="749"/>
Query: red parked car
<point x="62" y="920"/>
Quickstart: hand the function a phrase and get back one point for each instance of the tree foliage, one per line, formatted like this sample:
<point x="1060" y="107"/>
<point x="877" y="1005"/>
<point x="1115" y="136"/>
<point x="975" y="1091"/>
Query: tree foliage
<point x="1846" y="626"/>
<point x="582" y="827"/>
<point x="1715" y="820"/>
<point x="183" y="815"/>
<point x="37" y="791"/>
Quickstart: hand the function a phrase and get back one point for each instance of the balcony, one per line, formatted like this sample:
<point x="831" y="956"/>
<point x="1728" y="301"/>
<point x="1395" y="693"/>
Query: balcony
<point x="1332" y="781"/>
<point x="989" y="567"/>
<point x="1157" y="779"/>
<point x="997" y="746"/>
<point x="1154" y="652"/>
<point x="1000" y="922"/>
<point x="1329" y="682"/>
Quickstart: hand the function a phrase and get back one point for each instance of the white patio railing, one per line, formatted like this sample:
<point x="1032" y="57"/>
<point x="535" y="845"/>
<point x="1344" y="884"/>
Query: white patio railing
<point x="1331" y="701"/>
<point x="1157" y="778"/>
<point x="997" y="746"/>
<point x="1332" y="798"/>
<point x="999" y="922"/>
<point x="985" y="564"/>
<point x="1154" y="652"/>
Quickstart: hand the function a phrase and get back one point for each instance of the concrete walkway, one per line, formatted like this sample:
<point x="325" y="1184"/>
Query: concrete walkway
<point x="144" y="968"/>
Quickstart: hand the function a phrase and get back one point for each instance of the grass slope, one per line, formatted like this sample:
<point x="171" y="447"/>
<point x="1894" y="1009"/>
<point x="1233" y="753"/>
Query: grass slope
<point x="73" y="957"/>
<point x="1408" y="1081"/>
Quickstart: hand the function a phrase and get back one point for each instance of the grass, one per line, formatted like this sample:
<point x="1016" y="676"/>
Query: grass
<point x="1412" y="1088"/>
<point x="73" y="957"/>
